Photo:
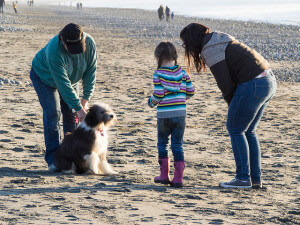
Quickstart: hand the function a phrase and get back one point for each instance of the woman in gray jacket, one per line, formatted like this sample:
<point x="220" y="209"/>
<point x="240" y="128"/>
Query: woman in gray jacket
<point x="247" y="84"/>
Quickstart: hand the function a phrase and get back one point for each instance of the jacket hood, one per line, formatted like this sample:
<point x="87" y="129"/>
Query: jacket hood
<point x="170" y="78"/>
<point x="218" y="38"/>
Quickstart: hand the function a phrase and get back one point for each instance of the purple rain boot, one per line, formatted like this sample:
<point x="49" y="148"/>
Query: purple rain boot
<point x="163" y="178"/>
<point x="177" y="181"/>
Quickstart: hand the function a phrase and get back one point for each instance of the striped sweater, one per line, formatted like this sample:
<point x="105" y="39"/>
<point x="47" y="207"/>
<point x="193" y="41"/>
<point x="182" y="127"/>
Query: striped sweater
<point x="172" y="87"/>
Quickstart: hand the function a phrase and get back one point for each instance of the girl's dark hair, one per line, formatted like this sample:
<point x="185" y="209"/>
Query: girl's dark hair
<point x="192" y="37"/>
<point x="165" y="51"/>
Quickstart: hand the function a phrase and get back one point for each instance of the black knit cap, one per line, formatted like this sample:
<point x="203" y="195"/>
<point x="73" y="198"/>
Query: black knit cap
<point x="73" y="37"/>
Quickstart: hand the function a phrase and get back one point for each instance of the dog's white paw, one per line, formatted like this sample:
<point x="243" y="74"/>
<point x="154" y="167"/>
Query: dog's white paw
<point x="112" y="172"/>
<point x="106" y="173"/>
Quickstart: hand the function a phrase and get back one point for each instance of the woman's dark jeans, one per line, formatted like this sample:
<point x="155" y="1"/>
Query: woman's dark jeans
<point x="174" y="127"/>
<point x="53" y="106"/>
<point x="245" y="111"/>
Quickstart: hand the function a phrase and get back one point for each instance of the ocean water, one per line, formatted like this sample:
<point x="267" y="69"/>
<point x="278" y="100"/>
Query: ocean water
<point x="271" y="11"/>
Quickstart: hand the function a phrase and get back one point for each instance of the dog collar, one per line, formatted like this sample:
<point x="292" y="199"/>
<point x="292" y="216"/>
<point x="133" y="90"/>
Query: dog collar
<point x="101" y="132"/>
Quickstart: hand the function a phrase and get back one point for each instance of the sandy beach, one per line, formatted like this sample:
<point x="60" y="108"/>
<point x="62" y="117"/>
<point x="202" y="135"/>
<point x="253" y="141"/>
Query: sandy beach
<point x="126" y="39"/>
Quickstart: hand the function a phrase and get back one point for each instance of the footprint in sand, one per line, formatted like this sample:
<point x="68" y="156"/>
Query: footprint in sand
<point x="72" y="217"/>
<point x="31" y="206"/>
<point x="120" y="150"/>
<point x="57" y="207"/>
<point x="19" y="181"/>
<point x="147" y="219"/>
<point x="143" y="161"/>
<point x="60" y="199"/>
<point x="216" y="221"/>
<point x="26" y="130"/>
<point x="16" y="149"/>
<point x="117" y="161"/>
<point x="20" y="138"/>
<point x="6" y="140"/>
<point x="16" y="125"/>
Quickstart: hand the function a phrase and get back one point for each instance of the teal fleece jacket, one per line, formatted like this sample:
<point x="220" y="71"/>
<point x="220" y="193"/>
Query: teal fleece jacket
<point x="59" y="69"/>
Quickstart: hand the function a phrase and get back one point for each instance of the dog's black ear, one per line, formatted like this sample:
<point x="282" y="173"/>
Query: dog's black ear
<point x="94" y="116"/>
<point x="91" y="118"/>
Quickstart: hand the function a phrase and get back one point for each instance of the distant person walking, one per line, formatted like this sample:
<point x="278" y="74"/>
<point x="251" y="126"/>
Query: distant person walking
<point x="2" y="4"/>
<point x="161" y="12"/>
<point x="247" y="84"/>
<point x="79" y="5"/>
<point x="15" y="7"/>
<point x="68" y="58"/>
<point x="172" y="15"/>
<point x="172" y="88"/>
<point x="168" y="13"/>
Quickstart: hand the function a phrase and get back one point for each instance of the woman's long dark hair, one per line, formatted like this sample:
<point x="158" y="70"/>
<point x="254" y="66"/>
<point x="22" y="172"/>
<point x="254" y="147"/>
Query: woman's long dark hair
<point x="165" y="51"/>
<point x="192" y="37"/>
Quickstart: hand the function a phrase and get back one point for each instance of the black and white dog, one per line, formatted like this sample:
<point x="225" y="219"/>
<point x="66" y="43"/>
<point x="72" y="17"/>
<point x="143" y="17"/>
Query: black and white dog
<point x="85" y="149"/>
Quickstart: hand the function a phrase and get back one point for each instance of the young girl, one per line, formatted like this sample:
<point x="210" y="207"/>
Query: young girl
<point x="172" y="87"/>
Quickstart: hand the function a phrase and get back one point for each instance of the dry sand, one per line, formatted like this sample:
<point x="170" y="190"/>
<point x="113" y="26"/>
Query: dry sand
<point x="29" y="194"/>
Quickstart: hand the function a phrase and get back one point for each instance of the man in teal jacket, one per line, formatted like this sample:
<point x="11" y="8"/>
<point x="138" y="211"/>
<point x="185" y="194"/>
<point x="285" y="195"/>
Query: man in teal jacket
<point x="56" y="70"/>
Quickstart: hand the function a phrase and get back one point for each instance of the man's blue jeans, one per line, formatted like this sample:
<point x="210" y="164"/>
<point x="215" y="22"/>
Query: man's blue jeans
<point x="53" y="106"/>
<point x="245" y="111"/>
<point x="174" y="127"/>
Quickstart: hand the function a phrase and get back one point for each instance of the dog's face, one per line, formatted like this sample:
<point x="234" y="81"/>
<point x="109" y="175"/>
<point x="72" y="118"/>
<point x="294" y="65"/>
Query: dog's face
<point x="100" y="115"/>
